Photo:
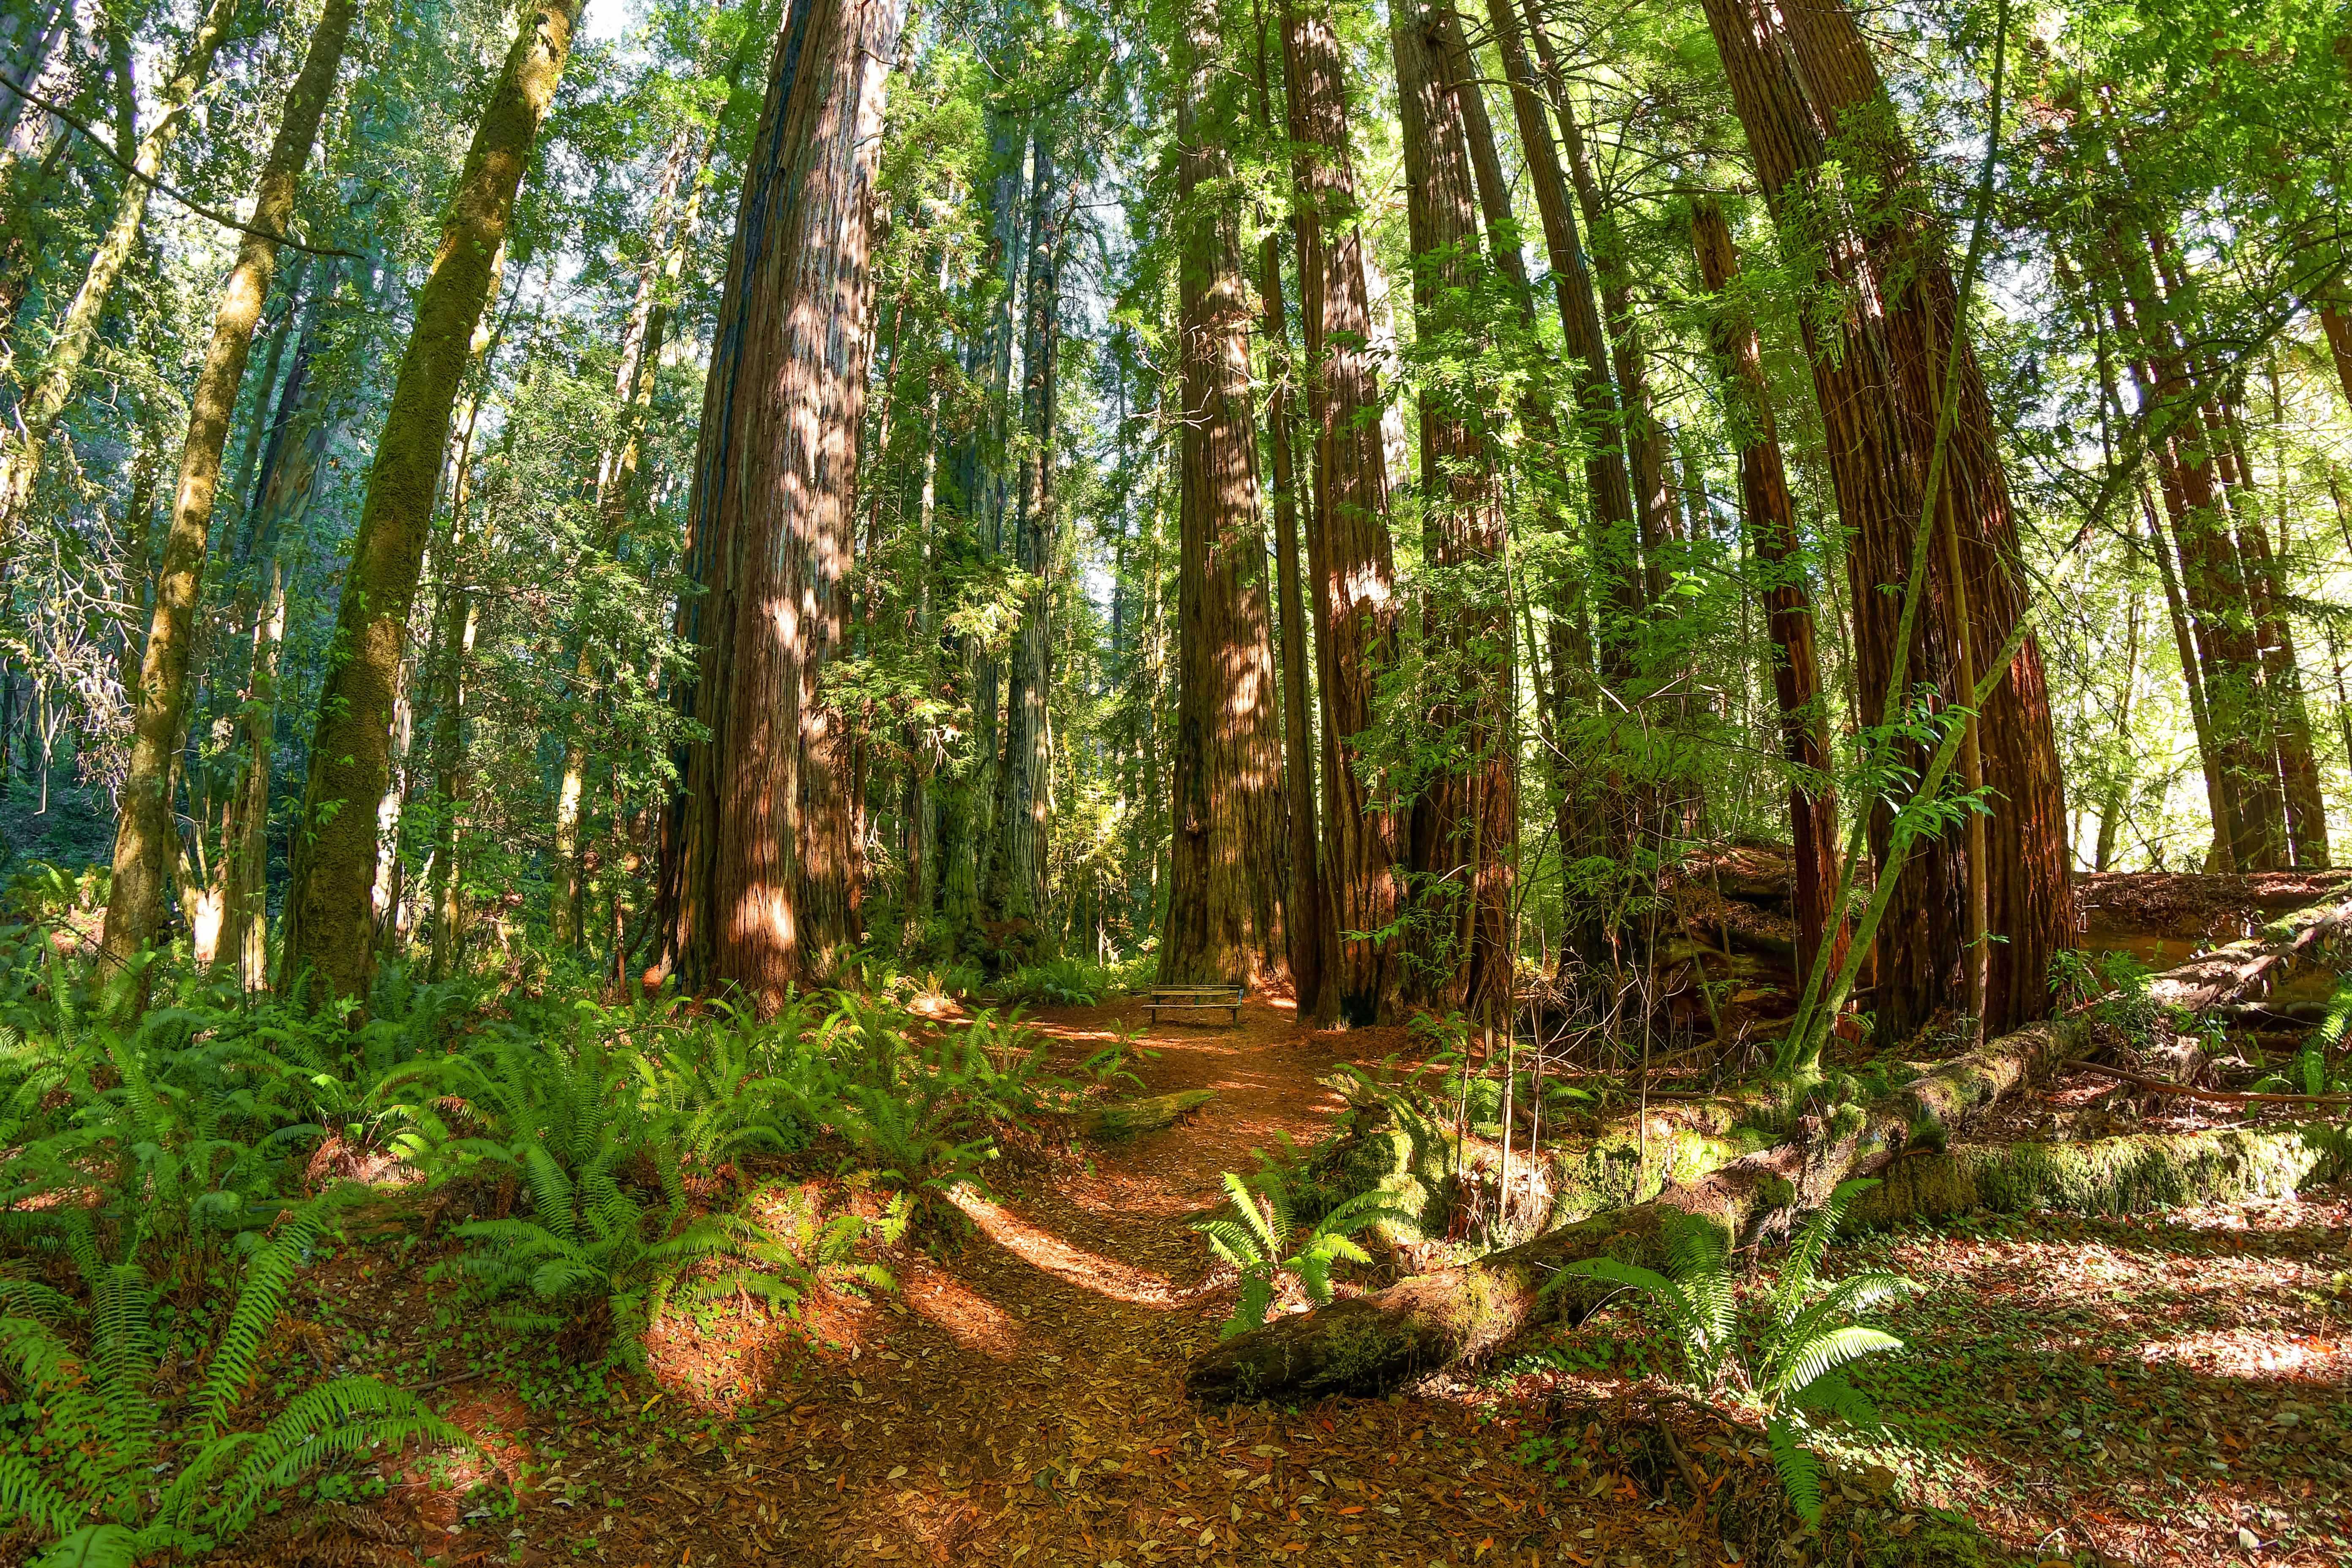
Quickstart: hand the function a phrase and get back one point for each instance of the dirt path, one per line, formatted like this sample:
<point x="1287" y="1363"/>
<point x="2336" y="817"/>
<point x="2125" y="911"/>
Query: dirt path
<point x="1021" y="1400"/>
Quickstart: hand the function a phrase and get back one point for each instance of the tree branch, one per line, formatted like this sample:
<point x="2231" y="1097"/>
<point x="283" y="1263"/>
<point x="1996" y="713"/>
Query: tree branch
<point x="186" y="200"/>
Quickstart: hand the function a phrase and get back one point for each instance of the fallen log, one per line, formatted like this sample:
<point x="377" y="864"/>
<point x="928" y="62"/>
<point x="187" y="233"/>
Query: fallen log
<point x="1371" y="1344"/>
<point x="1127" y="1118"/>
<point x="2244" y="971"/>
<point x="2112" y="1177"/>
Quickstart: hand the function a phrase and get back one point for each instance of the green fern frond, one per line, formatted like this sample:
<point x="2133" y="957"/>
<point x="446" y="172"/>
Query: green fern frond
<point x="1826" y="1352"/>
<point x="268" y="1276"/>
<point x="1833" y="1393"/>
<point x="92" y="1546"/>
<point x="1800" y="1472"/>
<point x="1801" y="1268"/>
<point x="26" y="1494"/>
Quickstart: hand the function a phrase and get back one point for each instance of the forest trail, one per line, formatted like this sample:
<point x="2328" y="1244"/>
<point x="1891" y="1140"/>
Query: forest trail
<point x="1022" y="1399"/>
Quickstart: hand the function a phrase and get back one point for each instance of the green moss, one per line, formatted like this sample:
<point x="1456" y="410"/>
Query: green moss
<point x="2112" y="1177"/>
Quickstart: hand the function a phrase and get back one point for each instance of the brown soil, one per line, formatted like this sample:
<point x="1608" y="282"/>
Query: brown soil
<point x="1021" y="1398"/>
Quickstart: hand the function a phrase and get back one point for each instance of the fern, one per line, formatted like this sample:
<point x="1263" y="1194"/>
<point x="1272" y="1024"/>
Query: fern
<point x="1256" y="1238"/>
<point x="1804" y="1335"/>
<point x="106" y="1428"/>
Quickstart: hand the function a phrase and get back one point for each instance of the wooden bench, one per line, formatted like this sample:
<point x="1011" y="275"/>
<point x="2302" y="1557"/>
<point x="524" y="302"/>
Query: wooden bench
<point x="1225" y="999"/>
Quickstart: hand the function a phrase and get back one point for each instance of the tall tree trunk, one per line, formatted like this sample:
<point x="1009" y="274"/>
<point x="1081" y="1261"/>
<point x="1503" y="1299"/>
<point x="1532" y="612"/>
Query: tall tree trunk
<point x="1804" y="82"/>
<point x="1228" y="762"/>
<point x="145" y="836"/>
<point x="2117" y="794"/>
<point x="1014" y="896"/>
<point x="1306" y="917"/>
<point x="1347" y="550"/>
<point x="1464" y="825"/>
<point x="1771" y="524"/>
<point x="764" y="858"/>
<point x="640" y="369"/>
<point x="329" y="920"/>
<point x="60" y="374"/>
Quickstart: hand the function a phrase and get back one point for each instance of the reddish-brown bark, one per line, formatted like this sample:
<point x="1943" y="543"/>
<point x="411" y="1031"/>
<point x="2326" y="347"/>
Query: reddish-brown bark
<point x="1803" y="81"/>
<point x="1228" y="848"/>
<point x="764" y="862"/>
<point x="1464" y="829"/>
<point x="1347" y="550"/>
<point x="1771" y="526"/>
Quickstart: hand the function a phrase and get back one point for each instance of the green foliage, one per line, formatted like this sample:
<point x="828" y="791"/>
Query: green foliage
<point x="784" y="1257"/>
<point x="1259" y="1236"/>
<point x="1800" y="1341"/>
<point x="86" y="1478"/>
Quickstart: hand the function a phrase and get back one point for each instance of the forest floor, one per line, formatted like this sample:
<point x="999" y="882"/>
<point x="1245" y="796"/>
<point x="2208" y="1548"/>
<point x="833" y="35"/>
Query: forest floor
<point x="2156" y="1392"/>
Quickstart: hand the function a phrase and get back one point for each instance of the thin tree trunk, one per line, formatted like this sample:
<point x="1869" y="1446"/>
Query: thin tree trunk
<point x="60" y="374"/>
<point x="329" y="928"/>
<point x="1771" y="524"/>
<point x="1307" y="919"/>
<point x="2118" y="790"/>
<point x="1228" y="761"/>
<point x="640" y="370"/>
<point x="1347" y="550"/>
<point x="145" y="836"/>
<point x="764" y="863"/>
<point x="1014" y="894"/>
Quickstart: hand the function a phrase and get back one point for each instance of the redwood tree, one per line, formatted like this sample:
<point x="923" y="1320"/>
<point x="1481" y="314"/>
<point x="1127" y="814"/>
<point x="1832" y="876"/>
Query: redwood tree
<point x="762" y="862"/>
<point x="1347" y="550"/>
<point x="1807" y="93"/>
<point x="1228" y="848"/>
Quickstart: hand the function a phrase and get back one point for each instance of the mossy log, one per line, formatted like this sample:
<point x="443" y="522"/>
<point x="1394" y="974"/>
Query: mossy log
<point x="1127" y="1118"/>
<point x="1371" y="1344"/>
<point x="2244" y="971"/>
<point x="1447" y="1192"/>
<point x="2111" y="1177"/>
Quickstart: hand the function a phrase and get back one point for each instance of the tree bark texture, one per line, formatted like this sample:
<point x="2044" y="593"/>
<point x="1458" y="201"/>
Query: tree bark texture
<point x="1803" y="83"/>
<point x="329" y="926"/>
<point x="1347" y="550"/>
<point x="1014" y="896"/>
<point x="60" y="374"/>
<point x="765" y="861"/>
<point x="1464" y="824"/>
<point x="1771" y="526"/>
<point x="1222" y="925"/>
<point x="145" y="835"/>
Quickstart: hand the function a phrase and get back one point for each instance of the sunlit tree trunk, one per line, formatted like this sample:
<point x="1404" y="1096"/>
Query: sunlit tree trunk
<point x="1014" y="896"/>
<point x="1228" y="762"/>
<point x="1803" y="81"/>
<point x="1347" y="550"/>
<point x="1771" y="523"/>
<point x="26" y="440"/>
<point x="1306" y="917"/>
<point x="1464" y="824"/>
<point x="329" y="920"/>
<point x="764" y="859"/>
<point x="145" y="835"/>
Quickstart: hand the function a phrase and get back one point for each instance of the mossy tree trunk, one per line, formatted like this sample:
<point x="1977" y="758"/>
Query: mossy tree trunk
<point x="145" y="835"/>
<point x="330" y="935"/>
